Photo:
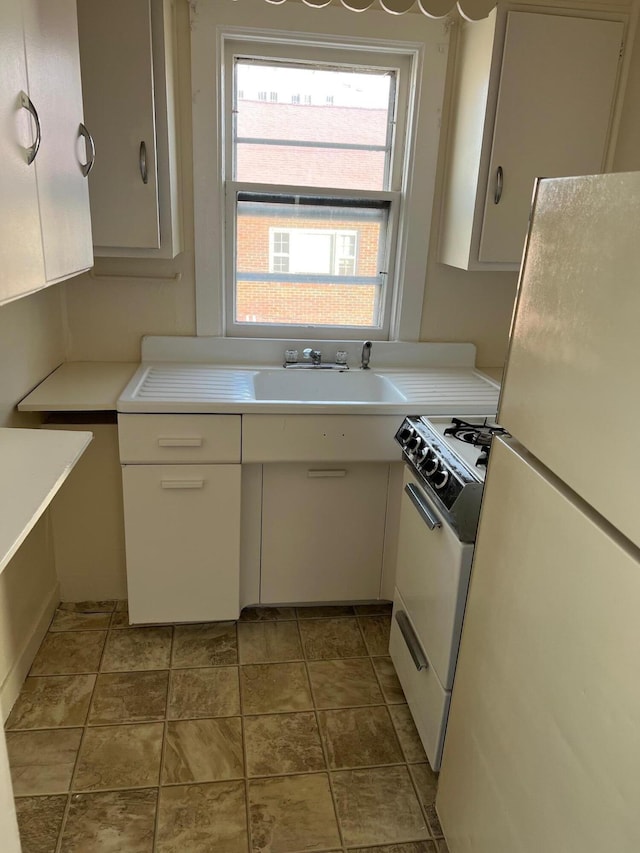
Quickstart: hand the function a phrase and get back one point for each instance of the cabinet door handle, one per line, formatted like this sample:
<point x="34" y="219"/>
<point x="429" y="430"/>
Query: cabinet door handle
<point x="413" y="644"/>
<point x="32" y="150"/>
<point x="327" y="472"/>
<point x="85" y="168"/>
<point x="497" y="193"/>
<point x="182" y="484"/>
<point x="179" y="442"/>
<point x="144" y="174"/>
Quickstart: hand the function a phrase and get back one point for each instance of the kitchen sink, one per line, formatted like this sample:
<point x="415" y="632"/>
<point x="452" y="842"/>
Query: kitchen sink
<point x="313" y="385"/>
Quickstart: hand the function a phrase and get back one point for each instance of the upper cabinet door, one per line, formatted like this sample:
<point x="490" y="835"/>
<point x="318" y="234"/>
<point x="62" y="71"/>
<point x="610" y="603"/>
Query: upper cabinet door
<point x="553" y="114"/>
<point x="117" y="81"/>
<point x="53" y="64"/>
<point x="21" y="259"/>
<point x="533" y="96"/>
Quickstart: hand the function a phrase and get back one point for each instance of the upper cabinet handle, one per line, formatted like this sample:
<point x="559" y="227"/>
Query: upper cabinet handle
<point x="144" y="174"/>
<point x="85" y="168"/>
<point x="25" y="102"/>
<point x="497" y="195"/>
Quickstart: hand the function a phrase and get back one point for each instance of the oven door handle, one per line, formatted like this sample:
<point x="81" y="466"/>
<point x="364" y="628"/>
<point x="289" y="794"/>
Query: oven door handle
<point x="420" y="503"/>
<point x="410" y="638"/>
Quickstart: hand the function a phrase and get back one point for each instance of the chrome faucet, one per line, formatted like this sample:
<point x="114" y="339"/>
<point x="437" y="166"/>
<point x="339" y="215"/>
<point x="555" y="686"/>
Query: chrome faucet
<point x="366" y="355"/>
<point x="314" y="354"/>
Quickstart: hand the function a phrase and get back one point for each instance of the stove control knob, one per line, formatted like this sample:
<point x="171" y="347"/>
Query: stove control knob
<point x="441" y="478"/>
<point x="422" y="454"/>
<point x="414" y="443"/>
<point x="405" y="434"/>
<point x="430" y="463"/>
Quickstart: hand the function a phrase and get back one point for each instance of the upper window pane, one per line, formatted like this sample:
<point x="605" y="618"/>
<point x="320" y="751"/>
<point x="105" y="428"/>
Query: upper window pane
<point x="321" y="127"/>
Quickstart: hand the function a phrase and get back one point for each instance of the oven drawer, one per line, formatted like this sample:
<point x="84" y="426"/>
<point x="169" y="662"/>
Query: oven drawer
<point x="427" y="699"/>
<point x="432" y="576"/>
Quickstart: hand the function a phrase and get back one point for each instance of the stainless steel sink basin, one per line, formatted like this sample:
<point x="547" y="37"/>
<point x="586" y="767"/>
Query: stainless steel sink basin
<point x="324" y="386"/>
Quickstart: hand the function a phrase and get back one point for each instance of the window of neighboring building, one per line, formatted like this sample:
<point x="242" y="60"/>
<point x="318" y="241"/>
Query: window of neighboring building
<point x="315" y="163"/>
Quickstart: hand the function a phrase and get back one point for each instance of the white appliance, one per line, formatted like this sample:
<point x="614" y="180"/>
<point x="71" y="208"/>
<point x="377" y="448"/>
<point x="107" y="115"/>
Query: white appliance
<point x="542" y="750"/>
<point x="444" y="473"/>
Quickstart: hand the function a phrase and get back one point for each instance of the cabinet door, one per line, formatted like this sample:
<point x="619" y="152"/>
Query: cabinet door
<point x="557" y="87"/>
<point x="21" y="259"/>
<point x="117" y="81"/>
<point x="182" y="533"/>
<point x="322" y="532"/>
<point x="53" y="63"/>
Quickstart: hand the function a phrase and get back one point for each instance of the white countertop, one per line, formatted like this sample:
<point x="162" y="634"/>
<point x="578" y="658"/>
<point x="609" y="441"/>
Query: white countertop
<point x="92" y="386"/>
<point x="205" y="388"/>
<point x="209" y="388"/>
<point x="34" y="463"/>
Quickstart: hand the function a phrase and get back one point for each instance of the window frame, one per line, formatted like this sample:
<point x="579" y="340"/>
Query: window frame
<point x="299" y="49"/>
<point x="214" y="23"/>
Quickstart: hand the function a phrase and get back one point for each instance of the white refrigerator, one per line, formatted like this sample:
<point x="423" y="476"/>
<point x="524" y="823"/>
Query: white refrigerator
<point x="542" y="750"/>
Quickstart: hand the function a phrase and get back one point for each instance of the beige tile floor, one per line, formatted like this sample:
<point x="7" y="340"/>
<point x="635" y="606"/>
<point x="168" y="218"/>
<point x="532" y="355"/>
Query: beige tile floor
<point x="284" y="732"/>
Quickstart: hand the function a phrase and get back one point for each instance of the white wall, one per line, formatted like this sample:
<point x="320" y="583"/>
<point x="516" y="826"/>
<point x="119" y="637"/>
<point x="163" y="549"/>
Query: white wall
<point x="31" y="346"/>
<point x="108" y="317"/>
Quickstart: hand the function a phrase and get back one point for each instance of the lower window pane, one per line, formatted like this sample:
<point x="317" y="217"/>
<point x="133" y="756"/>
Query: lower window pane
<point x="306" y="304"/>
<point x="309" y="261"/>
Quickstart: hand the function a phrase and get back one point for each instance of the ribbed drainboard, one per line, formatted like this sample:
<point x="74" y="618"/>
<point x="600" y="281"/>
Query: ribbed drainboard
<point x="195" y="383"/>
<point x="439" y="386"/>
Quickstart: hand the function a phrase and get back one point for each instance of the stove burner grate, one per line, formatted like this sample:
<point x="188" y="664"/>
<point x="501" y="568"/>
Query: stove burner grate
<point x="480" y="435"/>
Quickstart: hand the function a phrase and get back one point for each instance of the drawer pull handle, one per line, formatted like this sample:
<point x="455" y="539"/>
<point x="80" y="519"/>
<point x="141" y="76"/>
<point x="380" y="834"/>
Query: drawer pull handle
<point x="420" y="503"/>
<point x="180" y="442"/>
<point x="413" y="644"/>
<point x="326" y="472"/>
<point x="182" y="484"/>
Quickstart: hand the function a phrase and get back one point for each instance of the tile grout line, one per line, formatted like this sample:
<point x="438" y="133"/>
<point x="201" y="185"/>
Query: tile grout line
<point x="67" y="809"/>
<point x="323" y="747"/>
<point x="245" y="760"/>
<point x="163" y="748"/>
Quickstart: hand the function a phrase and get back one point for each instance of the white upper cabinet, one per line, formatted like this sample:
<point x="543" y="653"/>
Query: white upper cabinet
<point x="533" y="97"/>
<point x="65" y="156"/>
<point x="21" y="258"/>
<point x="45" y="228"/>
<point x="126" y="51"/>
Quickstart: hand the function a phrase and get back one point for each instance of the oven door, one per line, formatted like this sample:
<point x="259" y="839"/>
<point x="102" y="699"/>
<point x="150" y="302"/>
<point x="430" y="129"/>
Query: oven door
<point x="432" y="577"/>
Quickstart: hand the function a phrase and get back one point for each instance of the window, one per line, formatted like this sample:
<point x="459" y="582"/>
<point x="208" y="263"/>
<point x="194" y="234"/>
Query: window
<point x="312" y="210"/>
<point x="294" y="260"/>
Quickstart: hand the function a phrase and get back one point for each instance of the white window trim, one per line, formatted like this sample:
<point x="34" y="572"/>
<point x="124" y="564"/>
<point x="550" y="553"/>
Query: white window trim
<point x="214" y="21"/>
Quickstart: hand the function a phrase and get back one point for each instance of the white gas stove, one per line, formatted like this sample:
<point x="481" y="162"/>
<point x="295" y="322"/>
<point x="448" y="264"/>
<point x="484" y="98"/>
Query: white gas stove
<point x="445" y="469"/>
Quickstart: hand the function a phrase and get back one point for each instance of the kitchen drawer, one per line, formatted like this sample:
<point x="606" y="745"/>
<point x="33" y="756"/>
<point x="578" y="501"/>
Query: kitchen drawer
<point x="179" y="438"/>
<point x="320" y="438"/>
<point x="427" y="699"/>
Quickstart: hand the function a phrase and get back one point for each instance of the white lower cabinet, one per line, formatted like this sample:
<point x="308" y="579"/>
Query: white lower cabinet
<point x="323" y="528"/>
<point x="182" y="531"/>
